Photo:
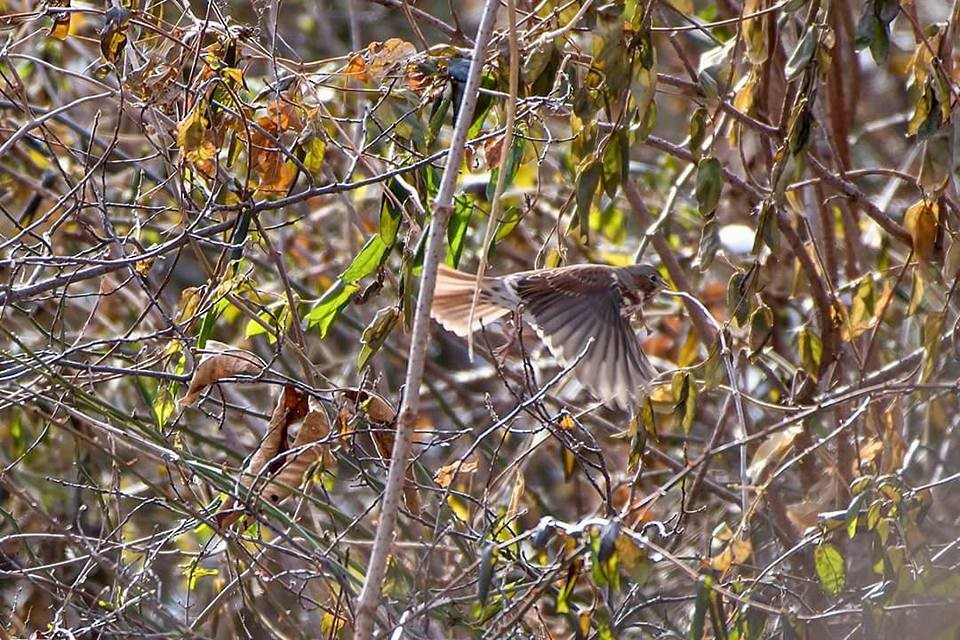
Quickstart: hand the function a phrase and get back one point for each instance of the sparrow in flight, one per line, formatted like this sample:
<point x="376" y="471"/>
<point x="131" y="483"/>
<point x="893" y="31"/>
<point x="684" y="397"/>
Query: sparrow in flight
<point x="574" y="309"/>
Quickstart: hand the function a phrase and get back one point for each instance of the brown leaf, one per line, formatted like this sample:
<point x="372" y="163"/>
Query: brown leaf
<point x="308" y="447"/>
<point x="221" y="361"/>
<point x="369" y="406"/>
<point x="380" y="414"/>
<point x="269" y="458"/>
<point x="445" y="474"/>
<point x="380" y="58"/>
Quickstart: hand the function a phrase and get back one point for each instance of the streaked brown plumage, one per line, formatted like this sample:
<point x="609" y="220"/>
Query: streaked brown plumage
<point x="568" y="307"/>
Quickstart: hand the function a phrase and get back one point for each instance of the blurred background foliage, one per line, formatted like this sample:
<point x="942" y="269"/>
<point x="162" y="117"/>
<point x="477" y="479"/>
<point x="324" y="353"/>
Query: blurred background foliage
<point x="211" y="224"/>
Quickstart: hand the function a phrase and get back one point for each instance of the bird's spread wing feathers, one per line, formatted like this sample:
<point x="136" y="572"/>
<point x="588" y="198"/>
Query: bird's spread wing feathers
<point x="571" y="307"/>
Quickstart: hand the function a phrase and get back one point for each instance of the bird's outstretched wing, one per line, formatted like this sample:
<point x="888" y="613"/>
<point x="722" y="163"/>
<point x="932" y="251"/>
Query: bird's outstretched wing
<point x="569" y="307"/>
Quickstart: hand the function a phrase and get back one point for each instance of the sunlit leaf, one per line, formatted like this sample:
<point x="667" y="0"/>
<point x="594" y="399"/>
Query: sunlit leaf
<point x="587" y="181"/>
<point x="810" y="347"/>
<point x="802" y="53"/>
<point x="771" y="450"/>
<point x="831" y="571"/>
<point x="921" y="221"/>
<point x="684" y="389"/>
<point x="463" y="208"/>
<point x="60" y="28"/>
<point x="113" y="34"/>
<point x="376" y="333"/>
<point x="329" y="306"/>
<point x="445" y="474"/>
<point x="368" y="260"/>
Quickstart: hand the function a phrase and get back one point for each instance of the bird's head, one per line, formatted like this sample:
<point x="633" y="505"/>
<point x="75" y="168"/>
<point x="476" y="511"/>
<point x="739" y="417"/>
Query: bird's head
<point x="644" y="279"/>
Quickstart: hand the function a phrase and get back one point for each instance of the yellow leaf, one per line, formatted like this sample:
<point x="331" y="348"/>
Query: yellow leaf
<point x="921" y="221"/>
<point x="234" y="74"/>
<point x="191" y="133"/>
<point x="314" y="151"/>
<point x="755" y="31"/>
<point x="60" y="28"/>
<point x="460" y="508"/>
<point x="113" y="34"/>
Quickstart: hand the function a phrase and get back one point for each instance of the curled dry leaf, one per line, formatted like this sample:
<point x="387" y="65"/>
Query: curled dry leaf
<point x="368" y="405"/>
<point x="445" y="474"/>
<point x="381" y="416"/>
<point x="221" y="361"/>
<point x="770" y="450"/>
<point x="276" y="468"/>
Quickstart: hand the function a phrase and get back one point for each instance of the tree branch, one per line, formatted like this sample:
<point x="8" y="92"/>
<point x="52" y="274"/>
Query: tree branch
<point x="376" y="568"/>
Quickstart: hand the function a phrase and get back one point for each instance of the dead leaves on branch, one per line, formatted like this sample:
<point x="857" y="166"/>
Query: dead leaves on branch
<point x="381" y="59"/>
<point x="221" y="361"/>
<point x="277" y="467"/>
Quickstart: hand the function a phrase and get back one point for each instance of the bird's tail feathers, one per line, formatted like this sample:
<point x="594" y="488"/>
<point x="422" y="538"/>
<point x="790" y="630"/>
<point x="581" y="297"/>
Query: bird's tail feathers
<point x="453" y="297"/>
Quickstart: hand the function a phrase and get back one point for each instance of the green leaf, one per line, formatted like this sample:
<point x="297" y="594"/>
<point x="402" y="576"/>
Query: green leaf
<point x="463" y="207"/>
<point x="587" y="183"/>
<point x="803" y="53"/>
<point x="761" y="327"/>
<point x="709" y="242"/>
<point x="811" y="351"/>
<point x="700" y="607"/>
<point x="376" y="333"/>
<point x="314" y="150"/>
<point x="563" y="596"/>
<point x="511" y="164"/>
<point x="369" y="259"/>
<point x="684" y="390"/>
<point x="709" y="184"/>
<point x="865" y="26"/>
<point x="616" y="161"/>
<point x="698" y="132"/>
<point x="509" y="220"/>
<point x="852" y="516"/>
<point x="487" y="565"/>
<point x="611" y="222"/>
<point x="391" y="210"/>
<point x="329" y="306"/>
<point x="738" y="290"/>
<point x="830" y="568"/>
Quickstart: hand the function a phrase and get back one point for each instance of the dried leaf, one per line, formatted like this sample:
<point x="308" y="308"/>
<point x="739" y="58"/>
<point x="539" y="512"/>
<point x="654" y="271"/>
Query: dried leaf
<point x="445" y="474"/>
<point x="372" y="407"/>
<point x="221" y="361"/>
<point x="379" y="59"/>
<point x="270" y="461"/>
<point x="771" y="450"/>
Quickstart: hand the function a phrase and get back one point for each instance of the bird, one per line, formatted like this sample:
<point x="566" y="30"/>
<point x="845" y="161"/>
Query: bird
<point x="575" y="309"/>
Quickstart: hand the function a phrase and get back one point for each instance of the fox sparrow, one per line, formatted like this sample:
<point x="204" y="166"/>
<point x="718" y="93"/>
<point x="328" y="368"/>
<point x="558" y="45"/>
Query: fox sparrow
<point x="568" y="307"/>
